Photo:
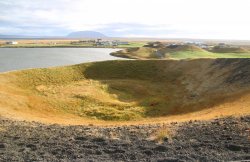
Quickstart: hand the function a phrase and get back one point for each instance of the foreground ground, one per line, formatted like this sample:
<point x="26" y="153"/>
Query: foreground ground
<point x="215" y="140"/>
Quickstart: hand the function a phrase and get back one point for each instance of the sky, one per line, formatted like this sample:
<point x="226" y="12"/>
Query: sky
<point x="205" y="19"/>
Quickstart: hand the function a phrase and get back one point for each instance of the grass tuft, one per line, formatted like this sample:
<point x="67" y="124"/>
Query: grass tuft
<point x="163" y="134"/>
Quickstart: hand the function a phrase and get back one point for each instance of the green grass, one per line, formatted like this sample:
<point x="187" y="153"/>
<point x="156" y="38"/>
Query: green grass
<point x="136" y="53"/>
<point x="192" y="55"/>
<point x="189" y="54"/>
<point x="218" y="49"/>
<point x="183" y="52"/>
<point x="132" y="44"/>
<point x="232" y="55"/>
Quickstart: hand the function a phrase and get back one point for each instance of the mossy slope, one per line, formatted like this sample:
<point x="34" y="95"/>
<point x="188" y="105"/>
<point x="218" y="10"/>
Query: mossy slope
<point x="123" y="90"/>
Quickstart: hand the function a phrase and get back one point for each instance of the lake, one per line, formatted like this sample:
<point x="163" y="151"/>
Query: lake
<point x="25" y="58"/>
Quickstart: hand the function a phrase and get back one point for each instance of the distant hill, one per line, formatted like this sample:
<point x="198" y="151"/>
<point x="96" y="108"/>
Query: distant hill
<point x="219" y="49"/>
<point x="78" y="34"/>
<point x="181" y="48"/>
<point x="160" y="51"/>
<point x="86" y="34"/>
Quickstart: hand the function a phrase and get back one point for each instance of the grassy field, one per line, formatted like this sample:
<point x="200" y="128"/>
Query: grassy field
<point x="64" y="43"/>
<point x="182" y="52"/>
<point x="132" y="44"/>
<point x="190" y="54"/>
<point x="117" y="91"/>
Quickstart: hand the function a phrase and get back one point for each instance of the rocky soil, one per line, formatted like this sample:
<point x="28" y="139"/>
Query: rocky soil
<point x="218" y="140"/>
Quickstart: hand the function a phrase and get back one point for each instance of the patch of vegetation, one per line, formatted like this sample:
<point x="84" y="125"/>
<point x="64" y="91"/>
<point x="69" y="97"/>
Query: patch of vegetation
<point x="132" y="45"/>
<point x="49" y="76"/>
<point x="218" y="49"/>
<point x="137" y="53"/>
<point x="181" y="52"/>
<point x="163" y="134"/>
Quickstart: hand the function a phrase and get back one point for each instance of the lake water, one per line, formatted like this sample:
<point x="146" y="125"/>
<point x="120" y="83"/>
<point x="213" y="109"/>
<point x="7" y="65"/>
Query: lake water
<point x="25" y="58"/>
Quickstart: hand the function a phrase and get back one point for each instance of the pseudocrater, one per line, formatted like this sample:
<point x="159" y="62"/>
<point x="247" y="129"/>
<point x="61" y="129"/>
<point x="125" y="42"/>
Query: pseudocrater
<point x="127" y="90"/>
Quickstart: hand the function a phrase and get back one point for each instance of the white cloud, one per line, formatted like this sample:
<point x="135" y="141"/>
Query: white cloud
<point x="192" y="18"/>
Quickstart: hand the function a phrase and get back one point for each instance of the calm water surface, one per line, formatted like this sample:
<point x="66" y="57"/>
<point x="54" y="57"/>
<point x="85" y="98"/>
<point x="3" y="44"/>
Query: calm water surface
<point x="25" y="58"/>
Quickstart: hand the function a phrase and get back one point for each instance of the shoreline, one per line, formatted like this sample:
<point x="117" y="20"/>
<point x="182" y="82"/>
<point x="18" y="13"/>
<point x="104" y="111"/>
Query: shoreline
<point x="63" y="47"/>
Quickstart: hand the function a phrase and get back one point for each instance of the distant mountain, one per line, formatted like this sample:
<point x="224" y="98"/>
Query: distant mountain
<point x="78" y="34"/>
<point x="86" y="34"/>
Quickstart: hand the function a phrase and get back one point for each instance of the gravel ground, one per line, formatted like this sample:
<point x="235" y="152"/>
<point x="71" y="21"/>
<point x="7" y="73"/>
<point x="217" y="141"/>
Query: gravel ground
<point x="226" y="139"/>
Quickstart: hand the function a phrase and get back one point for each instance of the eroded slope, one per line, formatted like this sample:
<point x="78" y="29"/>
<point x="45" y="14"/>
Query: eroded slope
<point x="128" y="90"/>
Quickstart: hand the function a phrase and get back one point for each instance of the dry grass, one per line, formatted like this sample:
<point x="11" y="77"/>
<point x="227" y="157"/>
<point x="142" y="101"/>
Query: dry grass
<point x="120" y="92"/>
<point x="136" y="53"/>
<point x="163" y="134"/>
<point x="2" y="129"/>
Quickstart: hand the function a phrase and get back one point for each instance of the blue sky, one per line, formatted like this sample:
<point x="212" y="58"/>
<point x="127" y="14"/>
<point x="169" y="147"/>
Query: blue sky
<point x="212" y="19"/>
